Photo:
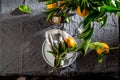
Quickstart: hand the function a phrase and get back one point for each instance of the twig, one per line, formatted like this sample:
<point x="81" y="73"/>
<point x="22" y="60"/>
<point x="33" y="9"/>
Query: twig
<point x="115" y="47"/>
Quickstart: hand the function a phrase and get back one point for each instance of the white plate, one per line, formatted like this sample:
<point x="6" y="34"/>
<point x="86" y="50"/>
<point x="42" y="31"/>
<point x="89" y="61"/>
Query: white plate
<point x="49" y="58"/>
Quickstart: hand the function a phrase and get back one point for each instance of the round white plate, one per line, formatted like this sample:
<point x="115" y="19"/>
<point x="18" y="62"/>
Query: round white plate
<point x="49" y="58"/>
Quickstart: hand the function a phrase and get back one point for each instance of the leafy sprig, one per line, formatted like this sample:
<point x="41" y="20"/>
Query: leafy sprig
<point x="59" y="50"/>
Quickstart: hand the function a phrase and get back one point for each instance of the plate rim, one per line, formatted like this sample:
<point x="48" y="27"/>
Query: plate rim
<point x="48" y="62"/>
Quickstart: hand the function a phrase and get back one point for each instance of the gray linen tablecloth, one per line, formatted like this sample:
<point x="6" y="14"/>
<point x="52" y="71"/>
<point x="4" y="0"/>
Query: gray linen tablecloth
<point x="22" y="36"/>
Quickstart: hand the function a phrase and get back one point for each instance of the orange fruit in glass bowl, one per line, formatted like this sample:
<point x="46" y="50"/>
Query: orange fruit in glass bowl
<point x="104" y="49"/>
<point x="84" y="13"/>
<point x="53" y="5"/>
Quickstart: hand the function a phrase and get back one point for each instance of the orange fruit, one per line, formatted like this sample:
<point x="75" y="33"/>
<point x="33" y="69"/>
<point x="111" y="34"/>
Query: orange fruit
<point x="54" y="5"/>
<point x="104" y="49"/>
<point x="70" y="42"/>
<point x="84" y="13"/>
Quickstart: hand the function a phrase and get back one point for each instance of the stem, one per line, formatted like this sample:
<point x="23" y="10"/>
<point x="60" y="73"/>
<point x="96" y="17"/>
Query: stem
<point x="53" y="69"/>
<point x="63" y="54"/>
<point x="115" y="47"/>
<point x="57" y="63"/>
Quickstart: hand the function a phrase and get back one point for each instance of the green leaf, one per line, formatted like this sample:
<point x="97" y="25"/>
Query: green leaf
<point x="86" y="29"/>
<point x="67" y="19"/>
<point x="24" y="8"/>
<point x="86" y="33"/>
<point x="100" y="15"/>
<point x="50" y="12"/>
<point x="107" y="2"/>
<point x="55" y="50"/>
<point x="63" y="54"/>
<point x="49" y="15"/>
<point x="100" y="60"/>
<point x="57" y="62"/>
<point x="63" y="46"/>
<point x="90" y="35"/>
<point x="104" y="21"/>
<point x="112" y="9"/>
<point x="60" y="48"/>
<point x="79" y="47"/>
<point x="113" y="3"/>
<point x="89" y="19"/>
<point x="118" y="13"/>
<point x="86" y="45"/>
<point x="83" y="4"/>
<point x="96" y="45"/>
<point x="100" y="57"/>
<point x="117" y="2"/>
<point x="51" y="52"/>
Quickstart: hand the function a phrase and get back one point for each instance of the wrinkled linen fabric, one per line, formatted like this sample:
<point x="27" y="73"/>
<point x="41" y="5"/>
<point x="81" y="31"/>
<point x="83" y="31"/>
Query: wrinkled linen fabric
<point x="22" y="36"/>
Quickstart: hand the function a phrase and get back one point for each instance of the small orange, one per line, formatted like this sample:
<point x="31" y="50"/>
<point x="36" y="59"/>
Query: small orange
<point x="70" y="42"/>
<point x="105" y="48"/>
<point x="54" y="5"/>
<point x="84" y="13"/>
